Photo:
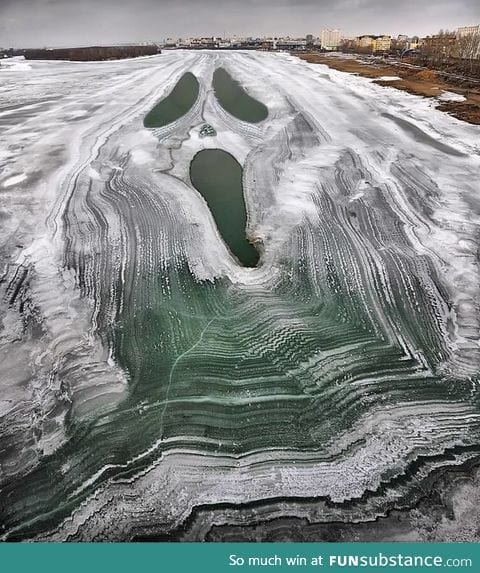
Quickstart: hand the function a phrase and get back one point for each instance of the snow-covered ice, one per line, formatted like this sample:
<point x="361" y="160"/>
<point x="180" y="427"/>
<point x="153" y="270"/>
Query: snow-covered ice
<point x="149" y="383"/>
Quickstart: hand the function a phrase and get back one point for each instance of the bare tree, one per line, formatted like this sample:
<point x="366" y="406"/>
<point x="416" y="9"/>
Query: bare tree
<point x="469" y="52"/>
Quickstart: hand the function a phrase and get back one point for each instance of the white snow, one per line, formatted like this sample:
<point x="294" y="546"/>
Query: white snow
<point x="388" y="78"/>
<point x="17" y="64"/>
<point x="14" y="180"/>
<point x="451" y="96"/>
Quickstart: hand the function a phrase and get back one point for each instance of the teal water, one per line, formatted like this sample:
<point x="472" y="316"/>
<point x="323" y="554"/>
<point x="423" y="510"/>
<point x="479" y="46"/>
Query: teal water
<point x="176" y="104"/>
<point x="217" y="176"/>
<point x="234" y="99"/>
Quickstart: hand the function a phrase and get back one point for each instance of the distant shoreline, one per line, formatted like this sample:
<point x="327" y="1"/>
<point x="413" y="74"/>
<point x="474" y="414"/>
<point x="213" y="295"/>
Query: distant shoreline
<point x="86" y="54"/>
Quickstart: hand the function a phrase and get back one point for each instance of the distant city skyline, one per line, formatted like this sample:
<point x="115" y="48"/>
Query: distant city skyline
<point x="37" y="23"/>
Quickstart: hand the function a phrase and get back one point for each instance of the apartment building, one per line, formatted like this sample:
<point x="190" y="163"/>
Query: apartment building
<point x="365" y="42"/>
<point x="382" y="43"/>
<point x="330" y="39"/>
<point x="468" y="31"/>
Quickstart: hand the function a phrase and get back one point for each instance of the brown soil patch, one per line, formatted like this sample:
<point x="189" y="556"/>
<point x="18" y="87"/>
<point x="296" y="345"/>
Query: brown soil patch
<point x="426" y="75"/>
<point x="463" y="110"/>
<point x="426" y="83"/>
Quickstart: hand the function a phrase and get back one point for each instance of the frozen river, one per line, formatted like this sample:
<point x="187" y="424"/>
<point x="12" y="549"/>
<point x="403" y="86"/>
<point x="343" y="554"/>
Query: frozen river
<point x="151" y="386"/>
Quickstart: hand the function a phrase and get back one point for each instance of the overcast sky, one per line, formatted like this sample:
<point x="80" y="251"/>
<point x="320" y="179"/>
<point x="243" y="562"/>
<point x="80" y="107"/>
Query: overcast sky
<point x="33" y="23"/>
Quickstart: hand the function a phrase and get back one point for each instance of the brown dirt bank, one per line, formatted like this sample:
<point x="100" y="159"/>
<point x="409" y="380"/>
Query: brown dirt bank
<point x="414" y="80"/>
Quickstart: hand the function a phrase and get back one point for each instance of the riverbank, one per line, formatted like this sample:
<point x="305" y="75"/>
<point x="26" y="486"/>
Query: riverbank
<point x="455" y="95"/>
<point x="85" y="54"/>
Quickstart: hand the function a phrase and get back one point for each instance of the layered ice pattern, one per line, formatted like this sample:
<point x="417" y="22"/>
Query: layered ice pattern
<point x="150" y="386"/>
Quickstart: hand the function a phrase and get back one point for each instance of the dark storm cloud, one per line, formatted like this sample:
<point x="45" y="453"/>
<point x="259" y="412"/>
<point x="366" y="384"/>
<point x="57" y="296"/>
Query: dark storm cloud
<point x="77" y="22"/>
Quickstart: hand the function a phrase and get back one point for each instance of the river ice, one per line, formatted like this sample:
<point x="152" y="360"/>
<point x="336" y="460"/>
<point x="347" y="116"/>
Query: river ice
<point x="150" y="385"/>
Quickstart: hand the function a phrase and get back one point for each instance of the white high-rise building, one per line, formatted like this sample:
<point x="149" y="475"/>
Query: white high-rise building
<point x="330" y="39"/>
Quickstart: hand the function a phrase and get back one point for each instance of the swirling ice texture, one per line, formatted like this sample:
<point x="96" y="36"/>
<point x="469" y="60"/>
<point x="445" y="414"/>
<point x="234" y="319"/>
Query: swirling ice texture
<point x="150" y="385"/>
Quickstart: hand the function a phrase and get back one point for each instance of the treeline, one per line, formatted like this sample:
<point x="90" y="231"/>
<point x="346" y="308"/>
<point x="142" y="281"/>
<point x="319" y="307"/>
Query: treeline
<point x="446" y="51"/>
<point x="91" y="53"/>
<point x="451" y="65"/>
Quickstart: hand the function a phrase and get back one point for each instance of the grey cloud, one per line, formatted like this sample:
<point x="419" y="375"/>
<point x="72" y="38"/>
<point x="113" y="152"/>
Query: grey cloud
<point x="79" y="22"/>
